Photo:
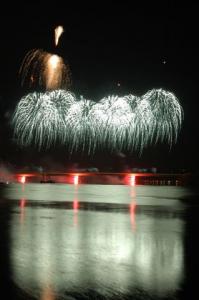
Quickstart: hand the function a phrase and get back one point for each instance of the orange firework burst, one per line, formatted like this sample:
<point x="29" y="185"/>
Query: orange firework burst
<point x="46" y="69"/>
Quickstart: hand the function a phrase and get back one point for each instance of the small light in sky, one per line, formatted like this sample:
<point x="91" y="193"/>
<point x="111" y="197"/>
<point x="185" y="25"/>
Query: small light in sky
<point x="118" y="84"/>
<point x="164" y="62"/>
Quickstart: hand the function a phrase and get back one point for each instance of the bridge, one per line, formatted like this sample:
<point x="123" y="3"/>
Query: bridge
<point x="103" y="178"/>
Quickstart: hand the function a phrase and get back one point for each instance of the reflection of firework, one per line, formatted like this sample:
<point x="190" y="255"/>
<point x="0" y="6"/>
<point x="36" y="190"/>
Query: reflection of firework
<point x="46" y="69"/>
<point x="120" y="123"/>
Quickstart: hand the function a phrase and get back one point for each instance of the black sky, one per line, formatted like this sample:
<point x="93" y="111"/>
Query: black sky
<point x="141" y="46"/>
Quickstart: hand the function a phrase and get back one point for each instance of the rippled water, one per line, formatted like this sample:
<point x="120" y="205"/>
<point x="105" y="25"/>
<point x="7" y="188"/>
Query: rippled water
<point x="63" y="241"/>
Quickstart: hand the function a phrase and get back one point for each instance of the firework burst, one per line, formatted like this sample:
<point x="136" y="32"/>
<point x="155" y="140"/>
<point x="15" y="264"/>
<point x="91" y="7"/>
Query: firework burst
<point x="45" y="69"/>
<point x="45" y="115"/>
<point x="119" y="123"/>
<point x="128" y="122"/>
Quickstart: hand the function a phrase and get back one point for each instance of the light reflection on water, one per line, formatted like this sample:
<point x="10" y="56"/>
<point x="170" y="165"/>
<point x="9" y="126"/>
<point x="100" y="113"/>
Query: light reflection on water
<point x="147" y="195"/>
<point x="55" y="251"/>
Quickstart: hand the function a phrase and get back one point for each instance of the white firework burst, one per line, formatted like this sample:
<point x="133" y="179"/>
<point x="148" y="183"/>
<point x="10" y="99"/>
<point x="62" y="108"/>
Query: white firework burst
<point x="39" y="118"/>
<point x="128" y="122"/>
<point x="81" y="126"/>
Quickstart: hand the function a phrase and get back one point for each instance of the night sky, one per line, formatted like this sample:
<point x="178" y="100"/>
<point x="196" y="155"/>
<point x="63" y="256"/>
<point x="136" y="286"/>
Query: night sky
<point x="137" y="45"/>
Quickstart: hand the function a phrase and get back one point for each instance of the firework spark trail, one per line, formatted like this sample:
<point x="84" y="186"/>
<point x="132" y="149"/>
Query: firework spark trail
<point x="53" y="71"/>
<point x="128" y="122"/>
<point x="46" y="69"/>
<point x="58" y="32"/>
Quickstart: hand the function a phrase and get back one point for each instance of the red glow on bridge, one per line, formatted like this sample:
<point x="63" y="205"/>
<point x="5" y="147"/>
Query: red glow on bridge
<point x="76" y="179"/>
<point x="22" y="179"/>
<point x="132" y="180"/>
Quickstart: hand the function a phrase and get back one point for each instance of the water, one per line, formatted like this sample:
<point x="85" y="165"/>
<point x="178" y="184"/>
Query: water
<point x="61" y="241"/>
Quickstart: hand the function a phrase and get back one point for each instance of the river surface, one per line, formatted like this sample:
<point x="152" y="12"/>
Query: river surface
<point x="62" y="241"/>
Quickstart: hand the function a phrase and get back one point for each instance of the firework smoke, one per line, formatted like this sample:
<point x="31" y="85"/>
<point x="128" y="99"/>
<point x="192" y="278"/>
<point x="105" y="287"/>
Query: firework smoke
<point x="121" y="123"/>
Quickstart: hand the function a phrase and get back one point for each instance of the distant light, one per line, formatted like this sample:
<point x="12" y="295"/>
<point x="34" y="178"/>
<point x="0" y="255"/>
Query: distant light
<point x="164" y="62"/>
<point x="118" y="84"/>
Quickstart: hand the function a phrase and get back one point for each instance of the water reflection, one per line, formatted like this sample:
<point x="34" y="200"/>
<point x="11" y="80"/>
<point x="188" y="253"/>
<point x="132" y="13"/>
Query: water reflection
<point x="132" y="206"/>
<point x="47" y="293"/>
<point x="75" y="204"/>
<point x="52" y="257"/>
<point x="22" y="204"/>
<point x="132" y="215"/>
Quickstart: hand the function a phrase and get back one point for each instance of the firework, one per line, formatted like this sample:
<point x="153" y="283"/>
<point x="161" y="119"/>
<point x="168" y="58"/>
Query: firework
<point x="119" y="123"/>
<point x="44" y="115"/>
<point x="128" y="122"/>
<point x="45" y="69"/>
<point x="81" y="126"/>
<point x="58" y="32"/>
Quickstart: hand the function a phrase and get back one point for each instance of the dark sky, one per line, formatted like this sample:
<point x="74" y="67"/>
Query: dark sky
<point x="141" y="46"/>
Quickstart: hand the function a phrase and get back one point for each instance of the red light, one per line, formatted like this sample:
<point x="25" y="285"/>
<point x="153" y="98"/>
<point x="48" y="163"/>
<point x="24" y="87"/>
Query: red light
<point x="76" y="179"/>
<point x="22" y="179"/>
<point x="132" y="215"/>
<point x="22" y="203"/>
<point x="75" y="205"/>
<point x="132" y="180"/>
<point x="75" y="209"/>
